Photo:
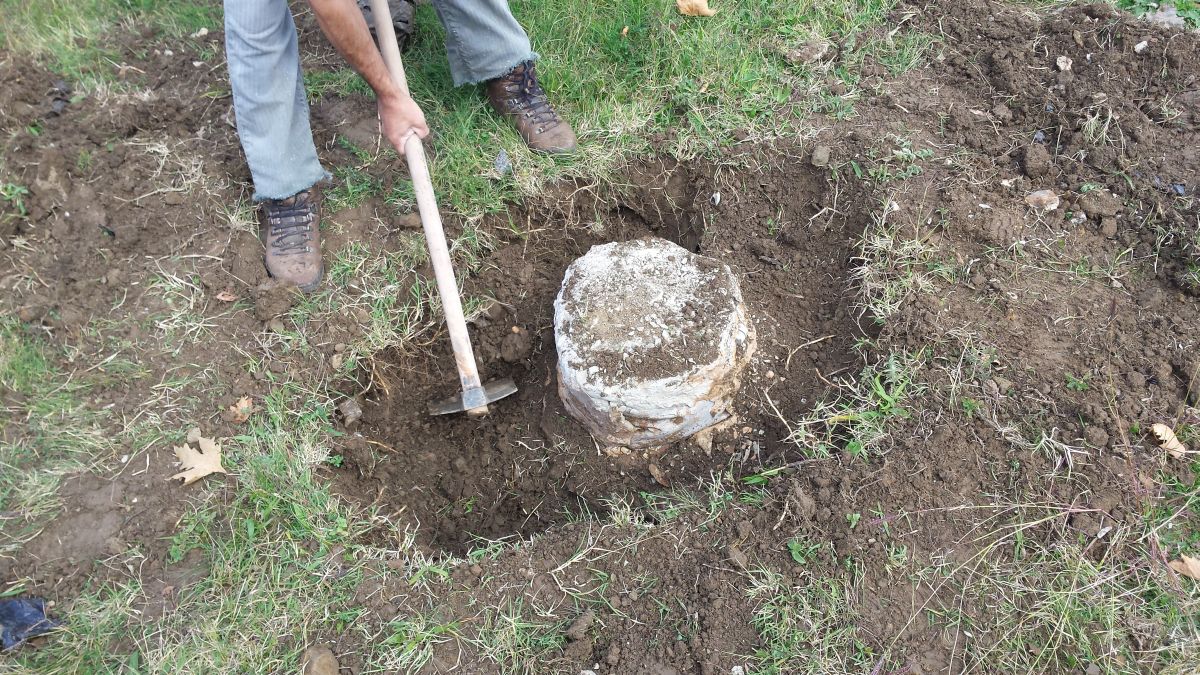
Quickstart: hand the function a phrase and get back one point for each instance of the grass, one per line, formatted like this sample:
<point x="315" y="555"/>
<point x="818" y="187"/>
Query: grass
<point x="807" y="625"/>
<point x="1038" y="598"/>
<point x="625" y="71"/>
<point x="269" y="564"/>
<point x="75" y="37"/>
<point x="856" y="420"/>
<point x="47" y="432"/>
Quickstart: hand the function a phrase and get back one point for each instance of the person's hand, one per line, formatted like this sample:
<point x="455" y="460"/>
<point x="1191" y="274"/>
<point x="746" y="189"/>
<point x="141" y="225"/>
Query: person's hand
<point x="400" y="118"/>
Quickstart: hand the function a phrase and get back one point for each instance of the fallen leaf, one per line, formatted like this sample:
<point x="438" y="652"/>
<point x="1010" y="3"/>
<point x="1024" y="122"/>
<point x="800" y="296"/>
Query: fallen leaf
<point x="1168" y="441"/>
<point x="1187" y="566"/>
<point x="197" y="464"/>
<point x="694" y="8"/>
<point x="242" y="410"/>
<point x="625" y="31"/>
<point x="659" y="476"/>
<point x="226" y="296"/>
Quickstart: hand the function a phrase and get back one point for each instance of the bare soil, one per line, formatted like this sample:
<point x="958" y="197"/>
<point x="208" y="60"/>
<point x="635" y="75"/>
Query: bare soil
<point x="1117" y="135"/>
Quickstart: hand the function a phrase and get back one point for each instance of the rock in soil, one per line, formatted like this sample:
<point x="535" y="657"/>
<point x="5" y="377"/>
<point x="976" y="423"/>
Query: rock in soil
<point x="820" y="156"/>
<point x="319" y="661"/>
<point x="652" y="341"/>
<point x="1044" y="200"/>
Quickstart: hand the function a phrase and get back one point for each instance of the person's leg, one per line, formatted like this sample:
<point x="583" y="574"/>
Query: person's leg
<point x="269" y="98"/>
<point x="485" y="43"/>
<point x="483" y="39"/>
<point x="272" y="123"/>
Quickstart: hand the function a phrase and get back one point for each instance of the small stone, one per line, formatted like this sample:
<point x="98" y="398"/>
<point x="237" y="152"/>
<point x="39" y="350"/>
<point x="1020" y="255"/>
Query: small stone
<point x="1141" y="47"/>
<point x="410" y="221"/>
<point x="820" y="156"/>
<point x="319" y="661"/>
<point x="351" y="412"/>
<point x="1045" y="200"/>
<point x="275" y="325"/>
<point x="1064" y="63"/>
<point x="502" y="163"/>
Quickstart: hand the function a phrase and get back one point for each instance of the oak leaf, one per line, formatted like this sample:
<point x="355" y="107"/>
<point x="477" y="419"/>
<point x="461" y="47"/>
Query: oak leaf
<point x="242" y="410"/>
<point x="694" y="8"/>
<point x="1167" y="440"/>
<point x="197" y="464"/>
<point x="1187" y="566"/>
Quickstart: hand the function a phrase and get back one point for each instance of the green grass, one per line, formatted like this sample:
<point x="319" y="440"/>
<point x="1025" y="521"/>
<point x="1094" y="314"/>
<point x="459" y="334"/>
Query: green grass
<point x="46" y="432"/>
<point x="858" y="417"/>
<point x="706" y="82"/>
<point x="1037" y="601"/>
<point x="271" y="564"/>
<point x="76" y="37"/>
<point x="806" y="626"/>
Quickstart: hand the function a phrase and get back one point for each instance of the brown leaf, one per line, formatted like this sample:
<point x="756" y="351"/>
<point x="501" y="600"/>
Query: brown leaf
<point x="1187" y="566"/>
<point x="242" y="410"/>
<point x="659" y="476"/>
<point x="694" y="8"/>
<point x="197" y="464"/>
<point x="1168" y="441"/>
<point x="226" y="296"/>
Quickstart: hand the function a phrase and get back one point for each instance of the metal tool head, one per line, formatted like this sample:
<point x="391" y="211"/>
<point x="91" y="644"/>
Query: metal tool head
<point x="475" y="398"/>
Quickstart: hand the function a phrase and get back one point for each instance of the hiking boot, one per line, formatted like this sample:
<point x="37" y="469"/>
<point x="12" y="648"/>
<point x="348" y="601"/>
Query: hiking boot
<point x="292" y="240"/>
<point x="401" y="11"/>
<point x="519" y="96"/>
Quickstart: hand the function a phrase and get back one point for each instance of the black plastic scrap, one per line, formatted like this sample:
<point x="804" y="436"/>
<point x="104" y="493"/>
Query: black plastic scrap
<point x="23" y="618"/>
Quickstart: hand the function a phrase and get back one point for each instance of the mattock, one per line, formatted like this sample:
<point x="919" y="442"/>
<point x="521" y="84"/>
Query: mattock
<point x="475" y="395"/>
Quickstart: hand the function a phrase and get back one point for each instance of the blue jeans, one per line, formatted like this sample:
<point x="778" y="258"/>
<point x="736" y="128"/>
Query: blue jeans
<point x="483" y="41"/>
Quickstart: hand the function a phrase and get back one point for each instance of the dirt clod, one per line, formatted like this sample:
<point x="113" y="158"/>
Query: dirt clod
<point x="319" y="661"/>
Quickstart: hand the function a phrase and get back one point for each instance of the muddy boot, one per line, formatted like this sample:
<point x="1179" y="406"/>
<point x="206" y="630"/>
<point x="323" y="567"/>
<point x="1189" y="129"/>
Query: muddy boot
<point x="402" y="19"/>
<point x="292" y="240"/>
<point x="519" y="96"/>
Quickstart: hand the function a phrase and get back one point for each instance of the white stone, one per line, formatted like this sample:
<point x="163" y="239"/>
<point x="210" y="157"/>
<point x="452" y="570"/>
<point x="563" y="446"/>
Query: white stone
<point x="652" y="341"/>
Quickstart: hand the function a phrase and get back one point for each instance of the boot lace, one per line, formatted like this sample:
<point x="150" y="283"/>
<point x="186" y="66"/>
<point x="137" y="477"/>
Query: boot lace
<point x="290" y="225"/>
<point x="531" y="98"/>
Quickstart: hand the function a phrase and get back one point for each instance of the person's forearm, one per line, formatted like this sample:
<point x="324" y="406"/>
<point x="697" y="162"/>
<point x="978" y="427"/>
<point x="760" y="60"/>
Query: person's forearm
<point x="344" y="25"/>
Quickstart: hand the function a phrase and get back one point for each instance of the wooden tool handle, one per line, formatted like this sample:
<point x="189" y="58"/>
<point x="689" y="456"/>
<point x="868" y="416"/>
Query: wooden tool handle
<point x="431" y="220"/>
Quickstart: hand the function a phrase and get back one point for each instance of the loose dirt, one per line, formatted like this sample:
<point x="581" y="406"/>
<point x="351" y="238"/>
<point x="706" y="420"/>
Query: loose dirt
<point x="1114" y="316"/>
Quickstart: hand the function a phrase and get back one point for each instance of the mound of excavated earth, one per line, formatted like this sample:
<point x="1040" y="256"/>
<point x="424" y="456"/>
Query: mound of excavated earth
<point x="652" y="341"/>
